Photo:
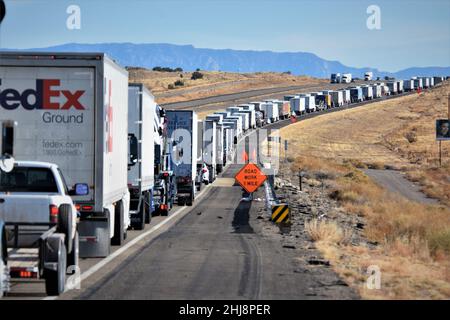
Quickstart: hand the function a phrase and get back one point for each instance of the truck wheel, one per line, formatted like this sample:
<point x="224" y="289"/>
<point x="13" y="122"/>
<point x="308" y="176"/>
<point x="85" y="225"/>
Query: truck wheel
<point x="73" y="260"/>
<point x="65" y="224"/>
<point x="181" y="201"/>
<point x="55" y="280"/>
<point x="148" y="213"/>
<point x="190" y="200"/>
<point x="4" y="278"/>
<point x="3" y="245"/>
<point x="4" y="271"/>
<point x="140" y="223"/>
<point x="119" y="232"/>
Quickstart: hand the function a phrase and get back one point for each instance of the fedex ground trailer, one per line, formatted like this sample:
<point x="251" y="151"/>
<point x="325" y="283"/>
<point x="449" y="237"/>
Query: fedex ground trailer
<point x="71" y="109"/>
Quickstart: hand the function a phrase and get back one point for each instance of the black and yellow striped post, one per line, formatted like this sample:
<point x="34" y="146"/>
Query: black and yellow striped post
<point x="281" y="213"/>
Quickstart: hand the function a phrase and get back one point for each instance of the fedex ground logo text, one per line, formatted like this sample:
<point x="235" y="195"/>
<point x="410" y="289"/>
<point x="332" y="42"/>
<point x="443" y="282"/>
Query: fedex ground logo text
<point x="46" y="95"/>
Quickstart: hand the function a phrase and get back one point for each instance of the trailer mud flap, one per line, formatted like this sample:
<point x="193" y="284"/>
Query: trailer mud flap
<point x="94" y="237"/>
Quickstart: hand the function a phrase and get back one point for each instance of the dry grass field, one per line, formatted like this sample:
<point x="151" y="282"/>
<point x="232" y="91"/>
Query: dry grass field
<point x="213" y="83"/>
<point x="412" y="240"/>
<point x="398" y="133"/>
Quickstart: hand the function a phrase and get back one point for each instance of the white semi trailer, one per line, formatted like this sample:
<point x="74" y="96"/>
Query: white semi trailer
<point x="182" y="130"/>
<point x="376" y="90"/>
<point x="298" y="105"/>
<point x="400" y="86"/>
<point x="310" y="102"/>
<point x="408" y="85"/>
<point x="367" y="92"/>
<point x="337" y="98"/>
<point x="346" y="96"/>
<point x="270" y="111"/>
<point x="250" y="110"/>
<point x="142" y="116"/>
<point x="210" y="140"/>
<point x="72" y="110"/>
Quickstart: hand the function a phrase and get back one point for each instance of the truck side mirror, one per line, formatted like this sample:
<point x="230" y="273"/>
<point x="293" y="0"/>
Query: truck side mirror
<point x="133" y="150"/>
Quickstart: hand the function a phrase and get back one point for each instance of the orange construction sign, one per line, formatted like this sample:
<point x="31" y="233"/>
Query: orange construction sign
<point x="250" y="177"/>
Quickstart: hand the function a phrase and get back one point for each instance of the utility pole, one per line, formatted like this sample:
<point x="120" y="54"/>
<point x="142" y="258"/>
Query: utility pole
<point x="300" y="176"/>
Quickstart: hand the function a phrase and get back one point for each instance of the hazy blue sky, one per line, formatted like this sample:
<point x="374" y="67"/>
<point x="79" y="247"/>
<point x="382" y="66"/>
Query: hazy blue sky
<point x="413" y="32"/>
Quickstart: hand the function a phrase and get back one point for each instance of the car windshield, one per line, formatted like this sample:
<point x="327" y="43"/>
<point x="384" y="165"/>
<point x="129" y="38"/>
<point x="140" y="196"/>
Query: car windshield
<point x="26" y="179"/>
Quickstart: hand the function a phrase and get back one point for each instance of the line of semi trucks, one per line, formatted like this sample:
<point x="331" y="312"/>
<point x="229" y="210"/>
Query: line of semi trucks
<point x="86" y="155"/>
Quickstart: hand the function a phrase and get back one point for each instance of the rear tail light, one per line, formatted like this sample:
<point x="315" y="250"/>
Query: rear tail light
<point x="87" y="208"/>
<point x="53" y="213"/>
<point x="25" y="274"/>
<point x="165" y="174"/>
<point x="78" y="207"/>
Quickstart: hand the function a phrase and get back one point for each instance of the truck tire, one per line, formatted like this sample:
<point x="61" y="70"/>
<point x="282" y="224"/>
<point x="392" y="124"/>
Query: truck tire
<point x="190" y="199"/>
<point x="148" y="207"/>
<point x="55" y="280"/>
<point x="73" y="258"/>
<point x="3" y="244"/>
<point x="148" y="213"/>
<point x="4" y="271"/>
<point x="4" y="278"/>
<point x="119" y="232"/>
<point x="65" y="225"/>
<point x="141" y="215"/>
<point x="181" y="201"/>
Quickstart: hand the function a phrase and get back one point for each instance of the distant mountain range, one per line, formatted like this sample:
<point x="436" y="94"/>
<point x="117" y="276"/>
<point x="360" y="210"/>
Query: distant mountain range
<point x="190" y="58"/>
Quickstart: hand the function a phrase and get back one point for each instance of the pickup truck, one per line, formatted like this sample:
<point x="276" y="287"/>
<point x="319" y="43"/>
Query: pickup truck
<point x="37" y="209"/>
